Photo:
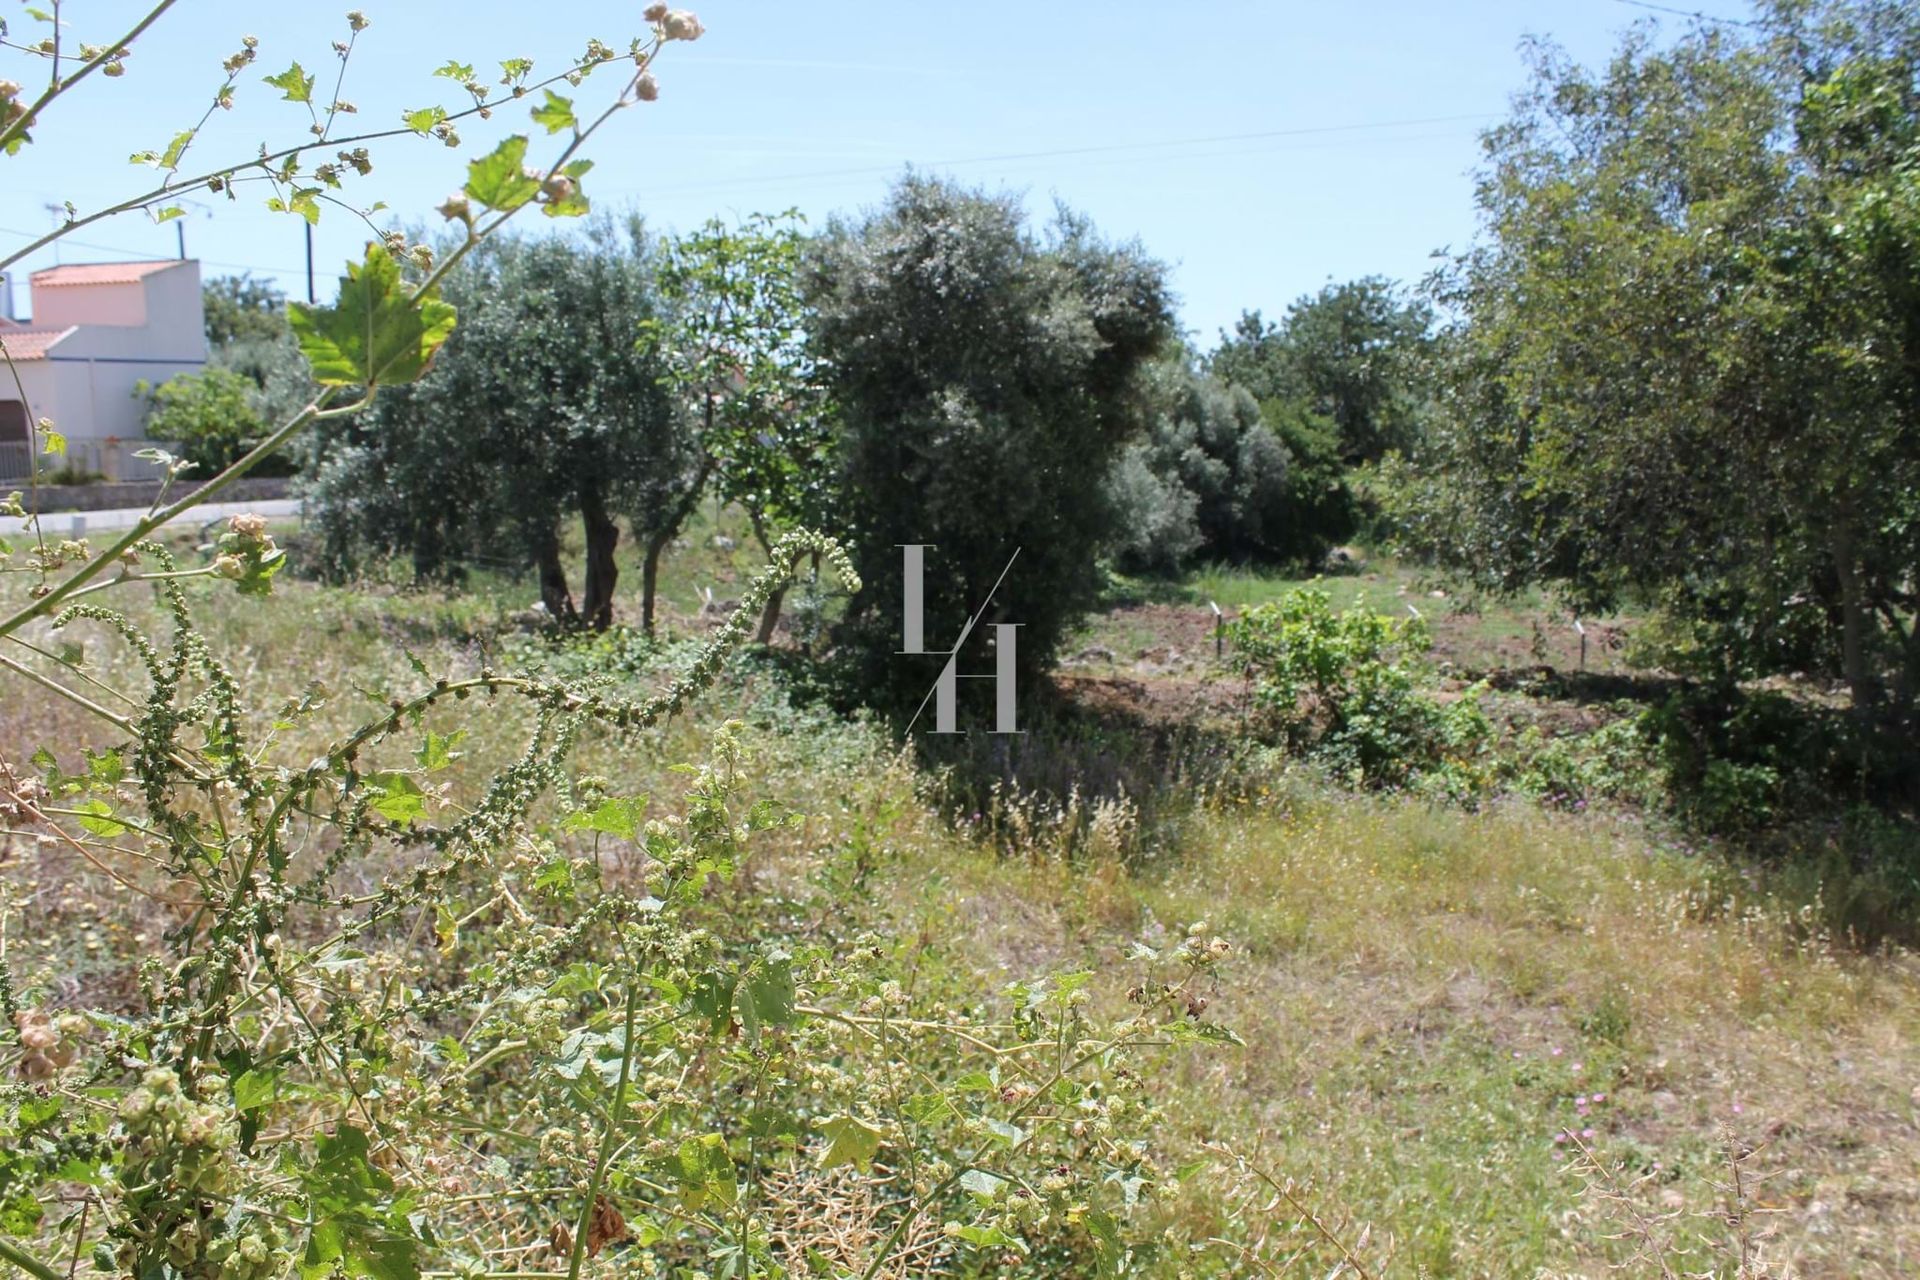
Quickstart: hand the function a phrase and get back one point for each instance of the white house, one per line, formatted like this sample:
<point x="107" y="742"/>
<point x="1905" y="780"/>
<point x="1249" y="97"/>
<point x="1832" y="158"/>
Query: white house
<point x="97" y="330"/>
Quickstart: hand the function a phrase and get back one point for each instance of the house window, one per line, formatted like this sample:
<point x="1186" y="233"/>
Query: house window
<point x="13" y="422"/>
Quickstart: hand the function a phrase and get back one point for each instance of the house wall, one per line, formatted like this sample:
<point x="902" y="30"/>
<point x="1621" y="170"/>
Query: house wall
<point x="38" y="380"/>
<point x="97" y="369"/>
<point x="176" y="315"/>
<point x="57" y="306"/>
<point x="147" y="330"/>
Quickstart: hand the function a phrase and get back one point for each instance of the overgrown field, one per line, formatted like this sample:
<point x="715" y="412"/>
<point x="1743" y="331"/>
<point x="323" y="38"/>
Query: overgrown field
<point x="1499" y="1038"/>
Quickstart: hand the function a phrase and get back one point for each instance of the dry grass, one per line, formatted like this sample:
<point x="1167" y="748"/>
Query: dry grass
<point x="1425" y="994"/>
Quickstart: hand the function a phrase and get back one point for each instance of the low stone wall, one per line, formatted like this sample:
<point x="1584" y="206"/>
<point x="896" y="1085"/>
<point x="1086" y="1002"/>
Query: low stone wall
<point x="105" y="497"/>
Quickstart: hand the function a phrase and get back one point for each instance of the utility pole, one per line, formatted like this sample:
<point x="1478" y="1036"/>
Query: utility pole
<point x="310" y="298"/>
<point x="180" y="233"/>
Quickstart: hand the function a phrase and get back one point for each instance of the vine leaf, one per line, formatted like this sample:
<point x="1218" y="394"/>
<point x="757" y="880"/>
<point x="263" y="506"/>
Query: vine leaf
<point x="500" y="180"/>
<point x="378" y="333"/>
<point x="401" y="800"/>
<point x="555" y="114"/>
<point x="295" y="83"/>
<point x="850" y="1140"/>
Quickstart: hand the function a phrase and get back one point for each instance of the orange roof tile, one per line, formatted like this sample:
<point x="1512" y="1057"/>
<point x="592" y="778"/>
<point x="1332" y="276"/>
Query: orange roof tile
<point x="31" y="344"/>
<point x="99" y="273"/>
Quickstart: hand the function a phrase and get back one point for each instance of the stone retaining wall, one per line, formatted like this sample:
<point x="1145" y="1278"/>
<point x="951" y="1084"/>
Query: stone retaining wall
<point x="105" y="497"/>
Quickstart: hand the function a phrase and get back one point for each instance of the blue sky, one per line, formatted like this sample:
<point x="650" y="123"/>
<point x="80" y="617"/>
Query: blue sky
<point x="1259" y="147"/>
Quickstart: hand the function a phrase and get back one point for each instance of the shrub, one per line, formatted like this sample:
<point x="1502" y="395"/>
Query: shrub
<point x="213" y="416"/>
<point x="541" y="1011"/>
<point x="1341" y="689"/>
<point x="1219" y="477"/>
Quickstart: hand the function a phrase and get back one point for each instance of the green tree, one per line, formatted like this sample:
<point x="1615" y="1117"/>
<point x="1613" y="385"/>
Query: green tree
<point x="1354" y="353"/>
<point x="240" y="309"/>
<point x="539" y="410"/>
<point x="731" y="338"/>
<point x="213" y="417"/>
<point x="1690" y="359"/>
<point x="986" y="379"/>
<point x="1209" y="477"/>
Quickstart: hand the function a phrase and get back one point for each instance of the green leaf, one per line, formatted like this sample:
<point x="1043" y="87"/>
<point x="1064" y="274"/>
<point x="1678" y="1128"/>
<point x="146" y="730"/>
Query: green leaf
<point x="766" y="998"/>
<point x="423" y="120"/>
<point x="105" y="769"/>
<point x="297" y="84"/>
<point x="302" y="200"/>
<point x="399" y="798"/>
<point x="849" y="1141"/>
<point x="102" y="822"/>
<point x="1192" y="1032"/>
<point x="440" y="750"/>
<point x="1011" y="1134"/>
<point x="169" y="213"/>
<point x="930" y="1108"/>
<point x="347" y="1199"/>
<point x="712" y="999"/>
<point x="988" y="1237"/>
<point x="618" y="816"/>
<point x="175" y="149"/>
<point x="1107" y="1246"/>
<point x="377" y="334"/>
<point x="555" y="114"/>
<point x="500" y="181"/>
<point x="981" y="1185"/>
<point x="256" y="1088"/>
<point x="704" y="1170"/>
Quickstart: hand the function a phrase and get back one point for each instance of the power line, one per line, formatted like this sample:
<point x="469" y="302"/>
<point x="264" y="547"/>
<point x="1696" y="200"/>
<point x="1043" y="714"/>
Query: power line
<point x="1691" y="13"/>
<point x="145" y="253"/>
<point x="1107" y="149"/>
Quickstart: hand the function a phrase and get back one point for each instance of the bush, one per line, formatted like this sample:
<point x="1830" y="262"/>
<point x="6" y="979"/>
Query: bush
<point x="213" y="417"/>
<point x="1340" y="689"/>
<point x="1209" y="476"/>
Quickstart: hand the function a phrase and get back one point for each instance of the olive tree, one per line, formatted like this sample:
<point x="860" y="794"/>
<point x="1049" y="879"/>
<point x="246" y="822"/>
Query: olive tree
<point x="539" y="410"/>
<point x="987" y="377"/>
<point x="1209" y="477"/>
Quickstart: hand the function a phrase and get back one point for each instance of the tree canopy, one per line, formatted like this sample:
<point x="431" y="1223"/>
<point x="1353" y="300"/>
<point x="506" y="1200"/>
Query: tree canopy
<point x="987" y="377"/>
<point x="1354" y="354"/>
<point x="1687" y="358"/>
<point x="539" y="410"/>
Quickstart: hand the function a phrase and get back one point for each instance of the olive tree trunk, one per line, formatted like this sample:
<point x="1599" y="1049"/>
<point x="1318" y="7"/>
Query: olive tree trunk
<point x="603" y="572"/>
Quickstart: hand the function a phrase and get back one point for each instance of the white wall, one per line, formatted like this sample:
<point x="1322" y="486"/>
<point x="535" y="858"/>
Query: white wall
<point x="97" y="367"/>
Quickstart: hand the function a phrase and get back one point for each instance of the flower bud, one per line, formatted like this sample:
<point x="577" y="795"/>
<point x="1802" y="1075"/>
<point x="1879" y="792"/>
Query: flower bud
<point x="229" y="566"/>
<point x="646" y="88"/>
<point x="654" y="12"/>
<point x="680" y="24"/>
